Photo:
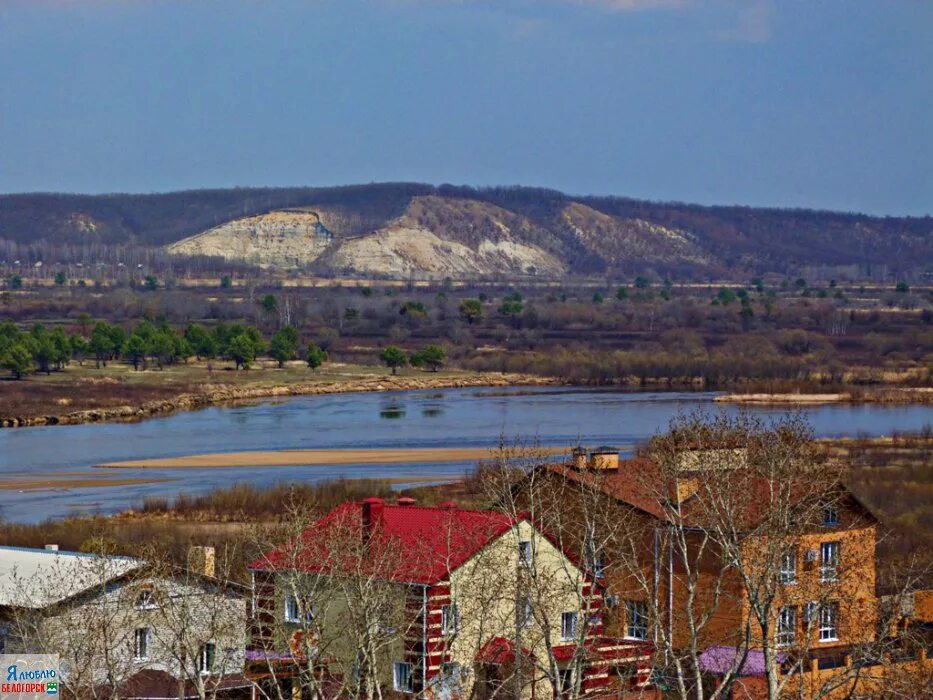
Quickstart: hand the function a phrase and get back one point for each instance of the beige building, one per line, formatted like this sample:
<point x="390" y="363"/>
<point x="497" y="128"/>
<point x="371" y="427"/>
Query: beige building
<point x="440" y="602"/>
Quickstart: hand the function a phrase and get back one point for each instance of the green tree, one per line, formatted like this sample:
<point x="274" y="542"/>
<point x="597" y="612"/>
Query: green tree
<point x="226" y="281"/>
<point x="269" y="303"/>
<point x="622" y="293"/>
<point x="151" y="283"/>
<point x="44" y="350"/>
<point x="315" y="356"/>
<point x="15" y="282"/>
<point x="413" y="308"/>
<point x="60" y="278"/>
<point x="284" y="345"/>
<point x="162" y="347"/>
<point x="78" y="347"/>
<point x="393" y="357"/>
<point x="431" y="356"/>
<point x="598" y="297"/>
<point x="471" y="310"/>
<point x="242" y="351"/>
<point x="725" y="296"/>
<point x="17" y="359"/>
<point x="202" y="343"/>
<point x="902" y="288"/>
<point x="642" y="282"/>
<point x="101" y="343"/>
<point x="135" y="349"/>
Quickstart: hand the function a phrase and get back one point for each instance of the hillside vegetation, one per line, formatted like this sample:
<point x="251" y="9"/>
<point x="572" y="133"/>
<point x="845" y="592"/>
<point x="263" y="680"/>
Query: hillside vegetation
<point x="407" y="229"/>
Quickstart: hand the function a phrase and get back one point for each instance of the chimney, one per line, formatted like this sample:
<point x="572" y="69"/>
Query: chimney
<point x="372" y="514"/>
<point x="405" y="501"/>
<point x="51" y="547"/>
<point x="604" y="457"/>
<point x="578" y="458"/>
<point x="201" y="561"/>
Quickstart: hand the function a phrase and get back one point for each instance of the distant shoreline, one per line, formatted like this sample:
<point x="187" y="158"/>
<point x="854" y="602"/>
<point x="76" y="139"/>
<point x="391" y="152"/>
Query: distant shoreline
<point x="901" y="396"/>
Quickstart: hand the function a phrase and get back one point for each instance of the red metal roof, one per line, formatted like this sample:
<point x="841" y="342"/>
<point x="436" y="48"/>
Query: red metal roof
<point x="407" y="543"/>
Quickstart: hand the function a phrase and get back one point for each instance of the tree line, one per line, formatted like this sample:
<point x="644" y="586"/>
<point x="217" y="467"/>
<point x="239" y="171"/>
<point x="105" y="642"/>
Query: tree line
<point x="42" y="350"/>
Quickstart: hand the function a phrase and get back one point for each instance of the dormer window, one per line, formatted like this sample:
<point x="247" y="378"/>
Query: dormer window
<point x="524" y="553"/>
<point x="830" y="515"/>
<point x="146" y="600"/>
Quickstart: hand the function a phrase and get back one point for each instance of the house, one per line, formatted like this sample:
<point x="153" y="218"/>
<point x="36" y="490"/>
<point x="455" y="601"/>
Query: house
<point x="695" y="565"/>
<point x="122" y="624"/>
<point x="435" y="601"/>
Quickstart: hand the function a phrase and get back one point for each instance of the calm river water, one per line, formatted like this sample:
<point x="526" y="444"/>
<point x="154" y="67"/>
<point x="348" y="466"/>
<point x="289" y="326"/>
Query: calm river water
<point x="454" y="418"/>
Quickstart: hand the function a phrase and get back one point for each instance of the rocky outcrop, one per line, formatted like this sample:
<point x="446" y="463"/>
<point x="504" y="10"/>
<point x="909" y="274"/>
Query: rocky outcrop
<point x="225" y="393"/>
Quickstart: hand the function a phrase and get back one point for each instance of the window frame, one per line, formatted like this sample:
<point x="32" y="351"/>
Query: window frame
<point x="526" y="613"/>
<point x="205" y="668"/>
<point x="565" y="617"/>
<point x="290" y="604"/>
<point x="829" y="622"/>
<point x="786" y="627"/>
<point x="636" y="609"/>
<point x="142" y="636"/>
<point x="409" y="671"/>
<point x="525" y="553"/>
<point x="829" y="566"/>
<point x="150" y="602"/>
<point x="450" y="618"/>
<point x="788" y="569"/>
<point x="830" y="515"/>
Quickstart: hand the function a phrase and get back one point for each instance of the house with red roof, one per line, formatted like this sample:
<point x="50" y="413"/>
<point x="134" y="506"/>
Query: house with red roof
<point x="402" y="599"/>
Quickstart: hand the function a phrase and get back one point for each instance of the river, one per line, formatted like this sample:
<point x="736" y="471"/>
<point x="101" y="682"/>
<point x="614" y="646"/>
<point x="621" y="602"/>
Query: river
<point x="474" y="417"/>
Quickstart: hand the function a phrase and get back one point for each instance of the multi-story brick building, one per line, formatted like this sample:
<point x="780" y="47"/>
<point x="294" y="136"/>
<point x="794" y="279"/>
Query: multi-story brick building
<point x="440" y="602"/>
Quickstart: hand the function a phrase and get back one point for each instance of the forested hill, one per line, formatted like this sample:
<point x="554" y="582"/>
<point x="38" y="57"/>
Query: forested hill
<point x="550" y="229"/>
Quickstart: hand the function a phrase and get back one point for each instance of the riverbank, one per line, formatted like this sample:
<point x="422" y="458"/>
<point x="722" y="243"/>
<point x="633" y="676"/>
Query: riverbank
<point x="899" y="396"/>
<point x="247" y="386"/>
<point x="310" y="458"/>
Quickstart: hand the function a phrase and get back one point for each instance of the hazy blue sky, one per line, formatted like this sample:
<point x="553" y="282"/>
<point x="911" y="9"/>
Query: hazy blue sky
<point x="791" y="103"/>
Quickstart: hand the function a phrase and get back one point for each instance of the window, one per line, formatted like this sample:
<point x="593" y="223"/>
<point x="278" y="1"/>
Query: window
<point x="810" y="611"/>
<point x="292" y="614"/>
<point x="450" y="619"/>
<point x="829" y="561"/>
<point x="401" y="677"/>
<point x="830" y="515"/>
<point x="450" y="676"/>
<point x="206" y="656"/>
<point x="594" y="557"/>
<point x="524" y="552"/>
<point x="828" y="616"/>
<point x="787" y="626"/>
<point x="141" y="643"/>
<point x="789" y="567"/>
<point x="568" y="625"/>
<point x="636" y="617"/>
<point x="566" y="682"/>
<point x="146" y="600"/>
<point x="526" y="613"/>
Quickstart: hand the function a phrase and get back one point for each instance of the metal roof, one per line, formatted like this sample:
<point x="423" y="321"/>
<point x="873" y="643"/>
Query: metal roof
<point x="36" y="578"/>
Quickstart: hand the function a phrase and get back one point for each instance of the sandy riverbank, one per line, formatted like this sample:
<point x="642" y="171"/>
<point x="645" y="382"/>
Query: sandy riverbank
<point x="226" y="393"/>
<point x="310" y="458"/>
<point x="913" y="395"/>
<point x="74" y="483"/>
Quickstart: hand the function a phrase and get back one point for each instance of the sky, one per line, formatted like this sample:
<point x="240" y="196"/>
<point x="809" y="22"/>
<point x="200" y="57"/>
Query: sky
<point x="762" y="102"/>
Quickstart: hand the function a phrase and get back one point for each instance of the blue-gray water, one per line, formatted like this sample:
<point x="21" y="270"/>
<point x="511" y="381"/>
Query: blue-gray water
<point x="454" y="418"/>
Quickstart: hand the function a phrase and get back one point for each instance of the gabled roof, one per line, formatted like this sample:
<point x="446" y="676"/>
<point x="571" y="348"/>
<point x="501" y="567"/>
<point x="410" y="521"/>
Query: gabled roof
<point x="641" y="493"/>
<point x="405" y="543"/>
<point x="37" y="578"/>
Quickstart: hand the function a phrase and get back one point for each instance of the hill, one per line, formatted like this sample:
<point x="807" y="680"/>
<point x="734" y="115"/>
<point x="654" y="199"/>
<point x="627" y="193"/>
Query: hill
<point x="400" y="229"/>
